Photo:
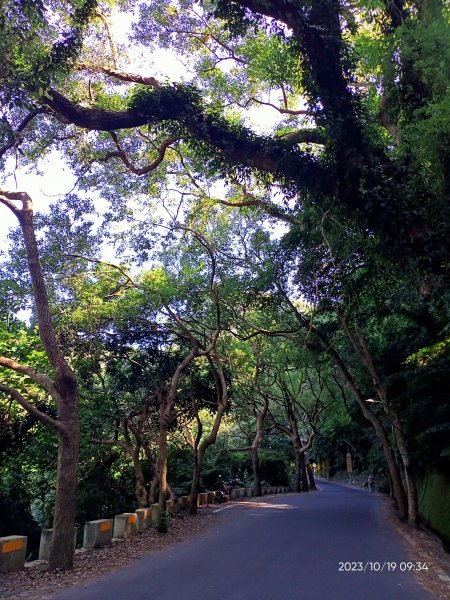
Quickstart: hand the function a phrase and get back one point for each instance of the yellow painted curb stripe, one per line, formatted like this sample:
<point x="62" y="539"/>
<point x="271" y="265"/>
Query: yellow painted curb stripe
<point x="12" y="546"/>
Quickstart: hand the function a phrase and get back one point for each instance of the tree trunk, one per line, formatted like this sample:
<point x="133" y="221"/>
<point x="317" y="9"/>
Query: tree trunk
<point x="298" y="477"/>
<point x="363" y="350"/>
<point x="153" y="489"/>
<point x="140" y="488"/>
<point x="260" y="417"/>
<point x="413" y="504"/>
<point x="199" y="454"/>
<point x="303" y="473"/>
<point x="64" y="393"/>
<point x="163" y="434"/>
<point x="397" y="485"/>
<point x="411" y="489"/>
<point x="134" y="450"/>
<point x="200" y="448"/>
<point x="62" y="549"/>
<point x="257" y="491"/>
<point x="196" y="473"/>
<point x="66" y="400"/>
<point x="311" y="481"/>
<point x="301" y="476"/>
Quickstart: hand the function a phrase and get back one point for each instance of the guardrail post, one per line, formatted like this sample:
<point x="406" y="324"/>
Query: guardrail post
<point x="46" y="542"/>
<point x="144" y="518"/>
<point x="155" y="513"/>
<point x="13" y="550"/>
<point x="125" y="525"/>
<point x="97" y="533"/>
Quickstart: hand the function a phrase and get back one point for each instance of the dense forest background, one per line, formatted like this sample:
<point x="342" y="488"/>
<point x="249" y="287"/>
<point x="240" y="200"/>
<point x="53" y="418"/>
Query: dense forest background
<point x="250" y="271"/>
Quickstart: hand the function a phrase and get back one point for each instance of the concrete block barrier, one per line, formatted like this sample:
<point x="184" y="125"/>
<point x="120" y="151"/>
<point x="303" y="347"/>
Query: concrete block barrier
<point x="177" y="507"/>
<point x="13" y="550"/>
<point x="97" y="533"/>
<point x="46" y="542"/>
<point x="125" y="525"/>
<point x="183" y="502"/>
<point x="144" y="518"/>
<point x="202" y="499"/>
<point x="100" y="532"/>
<point x="155" y="513"/>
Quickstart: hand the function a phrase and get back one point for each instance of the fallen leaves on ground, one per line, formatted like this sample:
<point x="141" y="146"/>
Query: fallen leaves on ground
<point x="38" y="584"/>
<point x="423" y="546"/>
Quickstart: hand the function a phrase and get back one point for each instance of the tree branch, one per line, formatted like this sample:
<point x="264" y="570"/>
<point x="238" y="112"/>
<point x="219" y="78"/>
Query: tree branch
<point x="32" y="410"/>
<point x="44" y="380"/>
<point x="118" y="74"/>
<point x="46" y="330"/>
<point x="304" y="136"/>
<point x="168" y="103"/>
<point x="111" y="40"/>
<point x="142" y="170"/>
<point x="284" y="111"/>
<point x="267" y="207"/>
<point x="15" y="134"/>
<point x="108" y="264"/>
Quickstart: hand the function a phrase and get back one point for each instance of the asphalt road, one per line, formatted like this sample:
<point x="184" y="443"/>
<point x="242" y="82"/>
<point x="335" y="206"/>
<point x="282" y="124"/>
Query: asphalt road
<point x="287" y="547"/>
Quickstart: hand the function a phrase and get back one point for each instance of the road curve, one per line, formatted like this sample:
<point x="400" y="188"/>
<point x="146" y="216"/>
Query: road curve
<point x="328" y="545"/>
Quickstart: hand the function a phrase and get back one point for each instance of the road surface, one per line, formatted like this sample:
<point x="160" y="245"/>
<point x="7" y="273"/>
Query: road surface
<point x="327" y="545"/>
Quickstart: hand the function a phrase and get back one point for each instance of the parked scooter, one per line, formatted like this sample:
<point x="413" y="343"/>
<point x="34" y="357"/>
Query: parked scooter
<point x="223" y="493"/>
<point x="220" y="497"/>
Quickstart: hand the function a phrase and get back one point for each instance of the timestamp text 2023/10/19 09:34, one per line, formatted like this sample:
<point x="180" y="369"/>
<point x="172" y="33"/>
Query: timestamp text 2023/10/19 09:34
<point x="382" y="566"/>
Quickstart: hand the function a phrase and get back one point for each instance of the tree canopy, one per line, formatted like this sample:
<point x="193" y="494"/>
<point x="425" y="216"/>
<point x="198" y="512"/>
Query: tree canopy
<point x="269" y="229"/>
<point x="363" y="106"/>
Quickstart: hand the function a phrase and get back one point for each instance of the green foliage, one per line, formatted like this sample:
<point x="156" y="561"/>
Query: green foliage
<point x="23" y="345"/>
<point x="176" y="101"/>
<point x="275" y="470"/>
<point x="28" y="29"/>
<point x="365" y="217"/>
<point x="164" y="522"/>
<point x="425" y="355"/>
<point x="434" y="495"/>
<point x="271" y="62"/>
<point x="116" y="493"/>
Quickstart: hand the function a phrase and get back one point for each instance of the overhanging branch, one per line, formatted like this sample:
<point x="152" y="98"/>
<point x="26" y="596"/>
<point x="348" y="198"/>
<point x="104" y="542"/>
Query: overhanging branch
<point x="118" y="74"/>
<point x="238" y="146"/>
<point x="32" y="410"/>
<point x="15" y="134"/>
<point x="44" y="380"/>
